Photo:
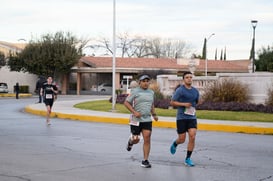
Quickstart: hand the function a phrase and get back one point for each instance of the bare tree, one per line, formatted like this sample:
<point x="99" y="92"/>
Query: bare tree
<point x="138" y="46"/>
<point x="125" y="44"/>
<point x="155" y="47"/>
<point x="175" y="49"/>
<point x="102" y="44"/>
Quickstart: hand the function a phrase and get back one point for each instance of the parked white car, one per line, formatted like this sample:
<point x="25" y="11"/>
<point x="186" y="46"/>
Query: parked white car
<point x="4" y="87"/>
<point x="105" y="87"/>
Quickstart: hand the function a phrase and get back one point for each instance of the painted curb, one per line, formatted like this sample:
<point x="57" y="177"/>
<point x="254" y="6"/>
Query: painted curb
<point x="160" y="123"/>
<point x="14" y="95"/>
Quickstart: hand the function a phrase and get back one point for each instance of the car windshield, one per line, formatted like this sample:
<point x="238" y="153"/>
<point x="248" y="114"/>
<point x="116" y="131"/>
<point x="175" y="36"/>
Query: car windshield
<point x="3" y="84"/>
<point x="105" y="85"/>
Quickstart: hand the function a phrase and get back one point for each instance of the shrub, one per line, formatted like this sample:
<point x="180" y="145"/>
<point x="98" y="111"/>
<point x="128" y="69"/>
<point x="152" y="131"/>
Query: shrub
<point x="118" y="91"/>
<point x="160" y="100"/>
<point x="158" y="96"/>
<point x="120" y="98"/>
<point x="162" y="103"/>
<point x="235" y="106"/>
<point x="227" y="90"/>
<point x="231" y="95"/>
<point x="155" y="87"/>
<point x="23" y="89"/>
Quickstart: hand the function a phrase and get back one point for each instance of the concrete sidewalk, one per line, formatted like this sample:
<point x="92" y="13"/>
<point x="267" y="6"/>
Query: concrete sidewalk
<point x="64" y="109"/>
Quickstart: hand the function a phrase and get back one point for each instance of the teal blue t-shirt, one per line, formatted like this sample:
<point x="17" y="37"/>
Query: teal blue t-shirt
<point x="182" y="94"/>
<point x="142" y="101"/>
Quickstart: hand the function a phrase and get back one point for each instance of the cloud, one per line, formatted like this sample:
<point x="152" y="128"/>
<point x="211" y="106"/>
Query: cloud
<point x="189" y="20"/>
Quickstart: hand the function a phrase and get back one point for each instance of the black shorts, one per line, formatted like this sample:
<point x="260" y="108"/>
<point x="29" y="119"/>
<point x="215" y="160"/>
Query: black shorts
<point x="136" y="130"/>
<point x="49" y="102"/>
<point x="184" y="124"/>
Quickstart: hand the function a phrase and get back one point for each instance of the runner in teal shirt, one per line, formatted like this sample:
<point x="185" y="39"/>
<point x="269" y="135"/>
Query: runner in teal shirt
<point x="141" y="104"/>
<point x="142" y="101"/>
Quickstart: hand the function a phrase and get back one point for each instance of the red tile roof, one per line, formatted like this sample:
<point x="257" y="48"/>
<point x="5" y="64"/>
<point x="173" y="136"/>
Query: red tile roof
<point x="224" y="66"/>
<point x="132" y="62"/>
<point x="154" y="63"/>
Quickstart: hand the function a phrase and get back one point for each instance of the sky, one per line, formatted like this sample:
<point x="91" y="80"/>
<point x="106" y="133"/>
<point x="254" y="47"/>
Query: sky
<point x="187" y="20"/>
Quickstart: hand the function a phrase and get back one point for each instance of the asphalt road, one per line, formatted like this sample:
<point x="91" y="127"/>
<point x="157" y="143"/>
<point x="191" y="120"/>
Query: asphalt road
<point x="87" y="151"/>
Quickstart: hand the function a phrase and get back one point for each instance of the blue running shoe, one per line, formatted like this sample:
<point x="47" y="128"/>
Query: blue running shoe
<point x="173" y="149"/>
<point x="188" y="162"/>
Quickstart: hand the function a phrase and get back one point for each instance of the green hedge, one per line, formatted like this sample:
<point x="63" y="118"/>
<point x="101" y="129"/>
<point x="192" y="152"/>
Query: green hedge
<point x="22" y="89"/>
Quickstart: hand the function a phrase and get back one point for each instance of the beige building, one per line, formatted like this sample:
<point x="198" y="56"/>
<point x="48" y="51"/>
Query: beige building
<point x="12" y="77"/>
<point x="92" y="71"/>
<point x="12" y="48"/>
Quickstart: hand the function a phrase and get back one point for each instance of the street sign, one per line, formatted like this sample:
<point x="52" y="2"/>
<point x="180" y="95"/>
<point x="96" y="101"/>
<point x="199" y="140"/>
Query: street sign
<point x="127" y="77"/>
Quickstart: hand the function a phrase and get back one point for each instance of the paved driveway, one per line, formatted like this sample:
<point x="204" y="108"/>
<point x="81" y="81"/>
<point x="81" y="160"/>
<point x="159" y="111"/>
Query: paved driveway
<point x="82" y="151"/>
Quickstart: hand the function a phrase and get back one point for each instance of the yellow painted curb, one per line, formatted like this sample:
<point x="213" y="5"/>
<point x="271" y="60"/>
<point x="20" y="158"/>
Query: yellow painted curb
<point x="160" y="123"/>
<point x="14" y="95"/>
<point x="236" y="129"/>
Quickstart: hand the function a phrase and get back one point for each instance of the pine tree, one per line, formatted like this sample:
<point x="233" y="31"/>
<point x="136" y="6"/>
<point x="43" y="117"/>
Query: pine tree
<point x="225" y="56"/>
<point x="204" y="53"/>
<point x="221" y="57"/>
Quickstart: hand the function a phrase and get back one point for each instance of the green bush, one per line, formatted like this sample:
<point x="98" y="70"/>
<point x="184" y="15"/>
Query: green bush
<point x="118" y="91"/>
<point x="159" y="96"/>
<point x="22" y="89"/>
<point x="227" y="90"/>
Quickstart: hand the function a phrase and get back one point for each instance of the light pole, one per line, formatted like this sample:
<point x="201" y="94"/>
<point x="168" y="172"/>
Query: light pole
<point x="114" y="59"/>
<point x="207" y="39"/>
<point x="254" y="24"/>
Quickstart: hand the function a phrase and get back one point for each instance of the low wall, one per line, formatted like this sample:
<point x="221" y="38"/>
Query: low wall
<point x="11" y="77"/>
<point x="258" y="83"/>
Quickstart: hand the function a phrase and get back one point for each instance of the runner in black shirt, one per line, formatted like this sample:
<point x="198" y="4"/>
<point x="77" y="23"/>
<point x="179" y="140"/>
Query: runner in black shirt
<point x="48" y="92"/>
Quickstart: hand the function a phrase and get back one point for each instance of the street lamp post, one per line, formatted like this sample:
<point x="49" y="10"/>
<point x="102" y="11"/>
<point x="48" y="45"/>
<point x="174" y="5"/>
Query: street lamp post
<point x="206" y="69"/>
<point x="114" y="59"/>
<point x="254" y="24"/>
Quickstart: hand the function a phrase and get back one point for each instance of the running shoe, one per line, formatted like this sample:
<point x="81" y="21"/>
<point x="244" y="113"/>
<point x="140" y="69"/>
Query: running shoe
<point x="146" y="164"/>
<point x="48" y="122"/>
<point x="129" y="146"/>
<point x="173" y="149"/>
<point x="189" y="162"/>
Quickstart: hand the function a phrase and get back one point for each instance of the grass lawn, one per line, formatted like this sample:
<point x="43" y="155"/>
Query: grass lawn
<point x="105" y="106"/>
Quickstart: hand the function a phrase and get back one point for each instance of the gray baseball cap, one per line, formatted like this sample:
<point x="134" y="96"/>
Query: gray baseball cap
<point x="144" y="77"/>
